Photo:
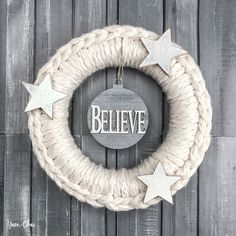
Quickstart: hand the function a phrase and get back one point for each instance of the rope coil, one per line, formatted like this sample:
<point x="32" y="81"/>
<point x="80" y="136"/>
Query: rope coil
<point x="181" y="152"/>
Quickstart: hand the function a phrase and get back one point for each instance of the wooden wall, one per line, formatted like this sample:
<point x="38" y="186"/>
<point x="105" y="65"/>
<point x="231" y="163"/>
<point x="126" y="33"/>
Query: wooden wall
<point x="31" y="31"/>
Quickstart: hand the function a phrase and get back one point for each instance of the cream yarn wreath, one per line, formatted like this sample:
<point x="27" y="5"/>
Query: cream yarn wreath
<point x="182" y="150"/>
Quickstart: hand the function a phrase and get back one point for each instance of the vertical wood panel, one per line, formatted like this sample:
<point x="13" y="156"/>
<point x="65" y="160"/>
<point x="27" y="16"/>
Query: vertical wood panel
<point x="93" y="219"/>
<point x="3" y="23"/>
<point x="217" y="198"/>
<point x="217" y="33"/>
<point x="17" y="184"/>
<point x="217" y="60"/>
<point x="2" y="156"/>
<point x="17" y="163"/>
<point x="56" y="213"/>
<point x="59" y="20"/>
<point x="181" y="218"/>
<point x="50" y="205"/>
<point x="147" y="14"/>
<point x="75" y="208"/>
<point x="89" y="15"/>
<point x="39" y="179"/>
<point x="19" y="62"/>
<point x="111" y="161"/>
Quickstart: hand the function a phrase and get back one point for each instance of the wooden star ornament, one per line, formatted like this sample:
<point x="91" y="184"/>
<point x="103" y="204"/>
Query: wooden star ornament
<point x="161" y="51"/>
<point x="43" y="96"/>
<point x="159" y="184"/>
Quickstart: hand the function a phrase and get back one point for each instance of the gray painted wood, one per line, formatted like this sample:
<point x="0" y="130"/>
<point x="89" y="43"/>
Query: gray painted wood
<point x="31" y="31"/>
<point x="2" y="155"/>
<point x="19" y="62"/>
<point x="39" y="179"/>
<point x="92" y="219"/>
<point x="17" y="161"/>
<point x="3" y="24"/>
<point x="217" y="194"/>
<point x="89" y="15"/>
<point x="181" y="218"/>
<point x="217" y="20"/>
<point x="17" y="184"/>
<point x="53" y="29"/>
<point x="75" y="207"/>
<point x="59" y="15"/>
<point x="147" y="14"/>
<point x="111" y="158"/>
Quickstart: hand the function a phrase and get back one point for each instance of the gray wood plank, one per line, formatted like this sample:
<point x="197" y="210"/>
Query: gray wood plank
<point x="147" y="14"/>
<point x="17" y="175"/>
<point x="3" y="23"/>
<point x="39" y="179"/>
<point x="111" y="161"/>
<point x="57" y="211"/>
<point x="19" y="62"/>
<point x="126" y="221"/>
<point x="181" y="218"/>
<point x="217" y="194"/>
<point x="93" y="219"/>
<point x="75" y="208"/>
<point x="2" y="156"/>
<point x="217" y="20"/>
<point x="89" y="15"/>
<point x="17" y="163"/>
<point x="38" y="198"/>
<point x="59" y="17"/>
<point x="111" y="216"/>
<point x="50" y="205"/>
<point x="148" y="220"/>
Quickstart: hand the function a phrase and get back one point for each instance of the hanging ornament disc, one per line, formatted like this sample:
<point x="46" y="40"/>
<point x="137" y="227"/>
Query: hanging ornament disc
<point x="117" y="118"/>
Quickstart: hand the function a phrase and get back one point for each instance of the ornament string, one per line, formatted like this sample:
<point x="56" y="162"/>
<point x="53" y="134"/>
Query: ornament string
<point x="120" y="72"/>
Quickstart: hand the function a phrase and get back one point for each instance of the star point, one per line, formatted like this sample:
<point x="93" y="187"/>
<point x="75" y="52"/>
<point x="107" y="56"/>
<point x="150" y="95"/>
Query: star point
<point x="43" y="96"/>
<point x="158" y="184"/>
<point x="161" y="51"/>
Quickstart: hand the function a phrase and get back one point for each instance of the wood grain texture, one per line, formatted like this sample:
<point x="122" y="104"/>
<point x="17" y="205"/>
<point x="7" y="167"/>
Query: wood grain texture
<point x="112" y="16"/>
<point x="217" y="20"/>
<point x="3" y="28"/>
<point x="147" y="14"/>
<point x="217" y="194"/>
<point x="39" y="179"/>
<point x="19" y="62"/>
<point x="17" y="162"/>
<point x="53" y="28"/>
<point x="59" y="15"/>
<point x="92" y="219"/>
<point x="89" y="15"/>
<point x="31" y="32"/>
<point x="17" y="173"/>
<point x="181" y="218"/>
<point x="2" y="156"/>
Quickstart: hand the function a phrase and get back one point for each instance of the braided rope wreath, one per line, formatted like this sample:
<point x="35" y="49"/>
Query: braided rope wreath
<point x="181" y="152"/>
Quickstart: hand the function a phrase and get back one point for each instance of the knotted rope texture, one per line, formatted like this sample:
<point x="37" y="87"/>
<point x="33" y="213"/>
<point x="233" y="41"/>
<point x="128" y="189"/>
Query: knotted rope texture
<point x="181" y="152"/>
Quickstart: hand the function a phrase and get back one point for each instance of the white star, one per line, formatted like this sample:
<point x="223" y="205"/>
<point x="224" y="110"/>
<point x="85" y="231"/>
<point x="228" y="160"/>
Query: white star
<point x="43" y="96"/>
<point x="161" y="51"/>
<point x="158" y="184"/>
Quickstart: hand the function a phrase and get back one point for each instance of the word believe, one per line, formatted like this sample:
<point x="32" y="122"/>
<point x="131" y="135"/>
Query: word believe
<point x="117" y="121"/>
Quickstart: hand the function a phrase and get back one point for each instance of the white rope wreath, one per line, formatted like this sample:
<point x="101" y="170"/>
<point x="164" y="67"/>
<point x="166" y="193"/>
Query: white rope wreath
<point x="181" y="152"/>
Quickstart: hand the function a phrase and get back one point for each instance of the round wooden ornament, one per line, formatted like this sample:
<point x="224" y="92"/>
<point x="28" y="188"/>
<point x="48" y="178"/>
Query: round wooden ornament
<point x="118" y="117"/>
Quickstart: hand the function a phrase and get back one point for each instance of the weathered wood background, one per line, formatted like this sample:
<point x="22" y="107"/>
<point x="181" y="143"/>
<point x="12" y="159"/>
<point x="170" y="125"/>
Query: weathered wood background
<point x="31" y="31"/>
